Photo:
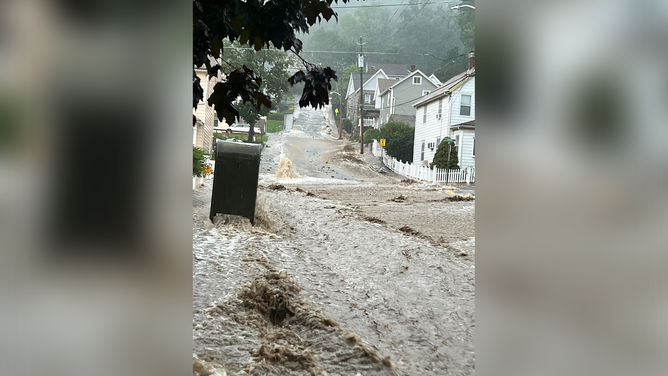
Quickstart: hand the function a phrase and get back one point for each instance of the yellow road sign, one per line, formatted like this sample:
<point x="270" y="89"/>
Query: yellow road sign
<point x="336" y="110"/>
<point x="382" y="142"/>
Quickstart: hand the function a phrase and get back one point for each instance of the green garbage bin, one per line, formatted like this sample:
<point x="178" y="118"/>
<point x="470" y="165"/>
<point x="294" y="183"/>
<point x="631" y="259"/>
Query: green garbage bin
<point x="235" y="179"/>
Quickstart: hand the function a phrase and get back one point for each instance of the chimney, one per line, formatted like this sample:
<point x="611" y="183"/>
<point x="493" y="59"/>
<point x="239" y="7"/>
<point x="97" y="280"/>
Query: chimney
<point x="412" y="68"/>
<point x="471" y="60"/>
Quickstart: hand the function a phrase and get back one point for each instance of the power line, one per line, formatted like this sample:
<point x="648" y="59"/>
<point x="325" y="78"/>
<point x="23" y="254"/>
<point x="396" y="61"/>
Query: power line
<point x="390" y="20"/>
<point x="406" y="24"/>
<point x="357" y="52"/>
<point x="386" y="5"/>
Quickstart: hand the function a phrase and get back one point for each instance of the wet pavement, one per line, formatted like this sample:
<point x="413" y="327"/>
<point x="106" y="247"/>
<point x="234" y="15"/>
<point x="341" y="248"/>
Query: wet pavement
<point x="346" y="272"/>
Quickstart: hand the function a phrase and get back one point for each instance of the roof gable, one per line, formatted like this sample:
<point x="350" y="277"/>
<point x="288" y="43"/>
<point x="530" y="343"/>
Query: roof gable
<point x="384" y="84"/>
<point x="417" y="72"/>
<point x="370" y="79"/>
<point x="447" y="87"/>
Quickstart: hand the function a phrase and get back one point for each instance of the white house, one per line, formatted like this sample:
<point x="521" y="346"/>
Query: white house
<point x="447" y="112"/>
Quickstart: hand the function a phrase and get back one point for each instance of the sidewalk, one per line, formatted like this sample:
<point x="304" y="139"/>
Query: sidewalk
<point x="377" y="163"/>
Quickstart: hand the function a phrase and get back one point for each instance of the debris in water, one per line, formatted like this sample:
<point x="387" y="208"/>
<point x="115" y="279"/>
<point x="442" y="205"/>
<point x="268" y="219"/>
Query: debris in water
<point x="276" y="187"/>
<point x="352" y="338"/>
<point x="273" y="296"/>
<point x="400" y="198"/>
<point x="375" y="220"/>
<point x="285" y="169"/>
<point x="299" y="190"/>
<point x="456" y="198"/>
<point x="408" y="230"/>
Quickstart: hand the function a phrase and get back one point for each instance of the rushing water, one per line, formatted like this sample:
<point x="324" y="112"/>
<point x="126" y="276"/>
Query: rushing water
<point x="317" y="288"/>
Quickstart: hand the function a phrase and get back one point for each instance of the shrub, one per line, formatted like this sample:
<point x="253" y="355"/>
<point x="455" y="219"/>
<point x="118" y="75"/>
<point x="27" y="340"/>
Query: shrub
<point x="370" y="135"/>
<point x="274" y="126"/>
<point x="347" y="125"/>
<point x="441" y="156"/>
<point x="198" y="158"/>
<point x="398" y="140"/>
<point x="275" y="116"/>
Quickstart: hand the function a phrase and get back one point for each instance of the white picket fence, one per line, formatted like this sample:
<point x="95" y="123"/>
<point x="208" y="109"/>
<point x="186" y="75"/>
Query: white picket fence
<point x="424" y="173"/>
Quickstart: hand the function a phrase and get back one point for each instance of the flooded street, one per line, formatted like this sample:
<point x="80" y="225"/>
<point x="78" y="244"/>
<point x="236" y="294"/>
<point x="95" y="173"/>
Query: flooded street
<point x="346" y="272"/>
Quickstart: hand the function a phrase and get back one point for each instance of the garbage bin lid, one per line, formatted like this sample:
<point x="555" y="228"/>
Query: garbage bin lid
<point x="240" y="150"/>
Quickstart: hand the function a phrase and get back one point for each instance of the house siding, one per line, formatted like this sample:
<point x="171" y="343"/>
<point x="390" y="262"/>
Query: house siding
<point x="465" y="147"/>
<point x="467" y="89"/>
<point x="205" y="113"/>
<point x="405" y="95"/>
<point x="433" y="130"/>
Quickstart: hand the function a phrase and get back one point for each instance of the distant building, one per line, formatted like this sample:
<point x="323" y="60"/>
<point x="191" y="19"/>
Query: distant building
<point x="204" y="114"/>
<point x="392" y="71"/>
<point x="353" y="98"/>
<point x="398" y="97"/>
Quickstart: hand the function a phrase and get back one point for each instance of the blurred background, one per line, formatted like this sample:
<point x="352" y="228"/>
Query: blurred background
<point x="571" y="203"/>
<point x="95" y="197"/>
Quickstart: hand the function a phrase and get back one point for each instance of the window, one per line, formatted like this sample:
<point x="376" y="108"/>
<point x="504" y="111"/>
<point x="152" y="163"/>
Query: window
<point x="368" y="122"/>
<point x="457" y="141"/>
<point x="425" y="92"/>
<point x="465" y="108"/>
<point x="367" y="98"/>
<point x="473" y="146"/>
<point x="417" y="80"/>
<point x="422" y="154"/>
<point x="424" y="114"/>
<point x="215" y="119"/>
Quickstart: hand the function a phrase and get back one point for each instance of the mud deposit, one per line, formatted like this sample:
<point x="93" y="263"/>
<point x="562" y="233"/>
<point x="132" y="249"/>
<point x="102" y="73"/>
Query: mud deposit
<point x="318" y="287"/>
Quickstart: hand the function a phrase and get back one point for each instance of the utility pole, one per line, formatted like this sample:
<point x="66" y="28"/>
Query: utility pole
<point x="361" y="64"/>
<point x="340" y="112"/>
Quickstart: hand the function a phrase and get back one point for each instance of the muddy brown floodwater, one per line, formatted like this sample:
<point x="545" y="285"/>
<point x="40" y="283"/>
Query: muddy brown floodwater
<point x="327" y="283"/>
<point x="346" y="272"/>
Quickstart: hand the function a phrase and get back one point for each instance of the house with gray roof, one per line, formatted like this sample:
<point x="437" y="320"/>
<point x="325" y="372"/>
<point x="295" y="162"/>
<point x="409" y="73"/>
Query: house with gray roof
<point x="393" y="71"/>
<point x="397" y="97"/>
<point x="353" y="98"/>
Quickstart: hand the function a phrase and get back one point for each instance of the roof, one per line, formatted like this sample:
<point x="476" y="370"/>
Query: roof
<point x="447" y="87"/>
<point x="389" y="69"/>
<point x="384" y="84"/>
<point x="406" y="78"/>
<point x="468" y="125"/>
<point x="435" y="79"/>
<point x="356" y="79"/>
<point x="408" y="119"/>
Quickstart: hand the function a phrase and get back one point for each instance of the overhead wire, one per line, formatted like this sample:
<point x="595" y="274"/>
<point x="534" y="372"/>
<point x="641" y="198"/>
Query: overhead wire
<point x="385" y="5"/>
<point x="411" y="20"/>
<point x="391" y="18"/>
